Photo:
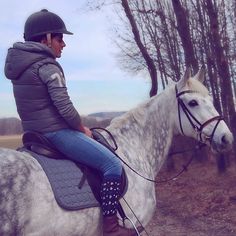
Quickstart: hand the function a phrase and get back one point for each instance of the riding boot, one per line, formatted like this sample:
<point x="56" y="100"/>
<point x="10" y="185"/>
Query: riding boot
<point x="110" y="194"/>
<point x="111" y="227"/>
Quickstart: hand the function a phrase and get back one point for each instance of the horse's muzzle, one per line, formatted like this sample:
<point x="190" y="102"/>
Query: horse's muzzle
<point x="223" y="144"/>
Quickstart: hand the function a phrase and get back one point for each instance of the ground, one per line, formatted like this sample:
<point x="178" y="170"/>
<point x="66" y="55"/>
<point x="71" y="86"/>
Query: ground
<point x="201" y="202"/>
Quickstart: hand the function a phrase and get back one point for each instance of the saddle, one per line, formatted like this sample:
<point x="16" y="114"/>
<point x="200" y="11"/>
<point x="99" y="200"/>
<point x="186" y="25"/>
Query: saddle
<point x="39" y="144"/>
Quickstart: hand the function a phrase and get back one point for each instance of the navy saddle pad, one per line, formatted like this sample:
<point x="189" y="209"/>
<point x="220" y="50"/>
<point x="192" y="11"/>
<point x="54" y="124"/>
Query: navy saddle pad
<point x="64" y="177"/>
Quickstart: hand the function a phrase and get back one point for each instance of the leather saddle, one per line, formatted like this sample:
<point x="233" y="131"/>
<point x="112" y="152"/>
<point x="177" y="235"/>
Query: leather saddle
<point x="39" y="144"/>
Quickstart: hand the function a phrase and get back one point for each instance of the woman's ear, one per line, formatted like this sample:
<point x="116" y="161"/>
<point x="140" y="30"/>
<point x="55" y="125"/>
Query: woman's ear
<point x="47" y="40"/>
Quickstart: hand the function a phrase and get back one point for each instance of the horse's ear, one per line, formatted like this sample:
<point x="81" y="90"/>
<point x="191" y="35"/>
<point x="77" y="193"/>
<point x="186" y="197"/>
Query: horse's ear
<point x="182" y="82"/>
<point x="200" y="74"/>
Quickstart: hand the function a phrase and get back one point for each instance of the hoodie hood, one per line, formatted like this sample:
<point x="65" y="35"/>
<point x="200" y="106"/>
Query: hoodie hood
<point x="22" y="55"/>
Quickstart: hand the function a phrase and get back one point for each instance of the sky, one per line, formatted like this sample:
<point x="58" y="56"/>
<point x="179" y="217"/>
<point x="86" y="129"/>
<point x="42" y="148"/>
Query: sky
<point x="95" y="81"/>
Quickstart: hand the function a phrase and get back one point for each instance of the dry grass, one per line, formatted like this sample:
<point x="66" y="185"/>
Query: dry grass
<point x="10" y="141"/>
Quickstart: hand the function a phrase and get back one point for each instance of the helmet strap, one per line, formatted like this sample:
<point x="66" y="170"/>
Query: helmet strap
<point x="49" y="40"/>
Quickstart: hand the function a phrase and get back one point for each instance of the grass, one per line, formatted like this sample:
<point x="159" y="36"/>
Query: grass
<point x="10" y="141"/>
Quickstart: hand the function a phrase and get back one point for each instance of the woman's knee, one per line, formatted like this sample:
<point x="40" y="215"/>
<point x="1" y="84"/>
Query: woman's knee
<point x="113" y="168"/>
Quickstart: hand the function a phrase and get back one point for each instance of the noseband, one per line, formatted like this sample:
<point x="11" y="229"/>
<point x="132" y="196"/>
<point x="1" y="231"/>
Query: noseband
<point x="195" y="123"/>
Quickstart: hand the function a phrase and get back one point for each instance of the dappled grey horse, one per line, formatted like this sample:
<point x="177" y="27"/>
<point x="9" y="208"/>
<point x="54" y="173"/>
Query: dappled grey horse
<point x="144" y="135"/>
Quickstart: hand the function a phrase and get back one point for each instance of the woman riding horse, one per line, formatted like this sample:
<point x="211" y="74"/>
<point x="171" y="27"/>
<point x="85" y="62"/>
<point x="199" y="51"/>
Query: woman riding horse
<point x="44" y="106"/>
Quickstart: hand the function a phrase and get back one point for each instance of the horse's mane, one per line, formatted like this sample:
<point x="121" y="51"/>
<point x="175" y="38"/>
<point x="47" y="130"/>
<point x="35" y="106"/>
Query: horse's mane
<point x="136" y="113"/>
<point x="139" y="112"/>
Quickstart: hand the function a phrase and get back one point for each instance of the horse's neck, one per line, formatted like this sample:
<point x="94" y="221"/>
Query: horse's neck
<point x="144" y="134"/>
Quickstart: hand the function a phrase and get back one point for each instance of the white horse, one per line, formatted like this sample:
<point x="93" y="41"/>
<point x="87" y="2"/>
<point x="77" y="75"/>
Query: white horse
<point x="143" y="135"/>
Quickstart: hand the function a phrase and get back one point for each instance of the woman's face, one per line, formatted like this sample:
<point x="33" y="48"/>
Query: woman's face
<point x="57" y="44"/>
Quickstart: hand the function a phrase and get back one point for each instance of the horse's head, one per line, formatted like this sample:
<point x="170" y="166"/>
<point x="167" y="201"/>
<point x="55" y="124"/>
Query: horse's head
<point x="197" y="116"/>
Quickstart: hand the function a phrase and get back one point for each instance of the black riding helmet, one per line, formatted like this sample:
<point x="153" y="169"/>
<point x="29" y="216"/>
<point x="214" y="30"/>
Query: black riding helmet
<point x="43" y="22"/>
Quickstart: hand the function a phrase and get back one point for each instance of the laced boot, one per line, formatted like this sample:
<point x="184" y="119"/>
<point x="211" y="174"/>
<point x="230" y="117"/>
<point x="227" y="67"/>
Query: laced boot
<point x="110" y="194"/>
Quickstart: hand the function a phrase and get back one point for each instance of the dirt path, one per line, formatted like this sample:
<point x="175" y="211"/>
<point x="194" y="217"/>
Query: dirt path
<point x="200" y="202"/>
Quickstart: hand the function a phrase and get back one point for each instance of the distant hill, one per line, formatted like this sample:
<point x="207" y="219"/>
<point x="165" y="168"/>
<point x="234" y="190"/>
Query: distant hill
<point x="107" y="115"/>
<point x="12" y="125"/>
<point x="100" y="119"/>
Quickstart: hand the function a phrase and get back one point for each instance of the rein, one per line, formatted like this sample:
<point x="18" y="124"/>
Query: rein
<point x="114" y="147"/>
<point x="195" y="123"/>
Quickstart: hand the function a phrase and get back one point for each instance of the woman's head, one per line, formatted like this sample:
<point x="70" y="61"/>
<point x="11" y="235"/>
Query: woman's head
<point x="43" y="22"/>
<point x="47" y="28"/>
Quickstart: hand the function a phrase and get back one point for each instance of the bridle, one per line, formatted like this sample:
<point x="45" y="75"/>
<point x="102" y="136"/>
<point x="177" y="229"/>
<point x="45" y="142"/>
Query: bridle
<point x="195" y="123"/>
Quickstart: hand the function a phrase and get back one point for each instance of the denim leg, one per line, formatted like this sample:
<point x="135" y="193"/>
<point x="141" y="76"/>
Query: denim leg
<point x="80" y="148"/>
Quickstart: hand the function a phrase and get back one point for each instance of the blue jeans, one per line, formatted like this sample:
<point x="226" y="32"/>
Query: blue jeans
<point x="80" y="148"/>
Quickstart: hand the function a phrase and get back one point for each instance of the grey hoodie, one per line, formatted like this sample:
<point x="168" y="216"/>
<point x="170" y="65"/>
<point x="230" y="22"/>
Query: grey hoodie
<point x="39" y="88"/>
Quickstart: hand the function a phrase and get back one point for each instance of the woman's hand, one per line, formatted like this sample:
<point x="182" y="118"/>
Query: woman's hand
<point x="85" y="130"/>
<point x="88" y="132"/>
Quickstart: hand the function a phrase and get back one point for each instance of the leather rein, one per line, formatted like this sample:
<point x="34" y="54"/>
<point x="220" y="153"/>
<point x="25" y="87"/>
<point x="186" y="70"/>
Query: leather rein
<point x="195" y="123"/>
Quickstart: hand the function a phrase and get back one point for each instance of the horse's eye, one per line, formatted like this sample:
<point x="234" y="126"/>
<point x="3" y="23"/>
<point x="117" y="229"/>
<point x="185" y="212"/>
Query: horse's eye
<point x="193" y="103"/>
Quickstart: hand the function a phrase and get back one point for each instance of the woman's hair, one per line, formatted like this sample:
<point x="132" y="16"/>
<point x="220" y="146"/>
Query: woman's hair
<point x="39" y="38"/>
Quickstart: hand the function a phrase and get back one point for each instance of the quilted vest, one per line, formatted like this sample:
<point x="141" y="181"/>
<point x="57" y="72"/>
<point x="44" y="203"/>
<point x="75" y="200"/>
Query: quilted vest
<point x="33" y="102"/>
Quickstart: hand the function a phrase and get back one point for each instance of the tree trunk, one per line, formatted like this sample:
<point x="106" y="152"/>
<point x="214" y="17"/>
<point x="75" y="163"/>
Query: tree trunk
<point x="149" y="61"/>
<point x="184" y="33"/>
<point x="222" y="66"/>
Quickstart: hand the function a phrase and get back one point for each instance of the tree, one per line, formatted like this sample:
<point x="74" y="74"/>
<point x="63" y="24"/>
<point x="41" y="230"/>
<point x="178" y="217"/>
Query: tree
<point x="222" y="64"/>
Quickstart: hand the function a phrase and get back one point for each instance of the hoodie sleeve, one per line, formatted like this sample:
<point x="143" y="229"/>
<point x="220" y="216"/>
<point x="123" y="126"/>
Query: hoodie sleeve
<point x="53" y="77"/>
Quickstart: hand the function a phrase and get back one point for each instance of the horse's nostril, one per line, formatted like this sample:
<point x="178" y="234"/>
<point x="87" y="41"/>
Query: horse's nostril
<point x="224" y="140"/>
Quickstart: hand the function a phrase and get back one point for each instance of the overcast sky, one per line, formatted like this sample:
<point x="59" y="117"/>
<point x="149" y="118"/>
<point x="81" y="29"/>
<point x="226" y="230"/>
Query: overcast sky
<point x="94" y="79"/>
